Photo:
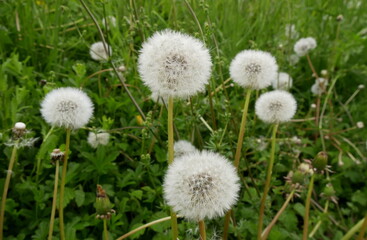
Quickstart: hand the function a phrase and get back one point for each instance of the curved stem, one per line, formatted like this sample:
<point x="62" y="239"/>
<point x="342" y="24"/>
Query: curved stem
<point x="311" y="66"/>
<point x="363" y="230"/>
<point x="143" y="227"/>
<point x="307" y="208"/>
<point x="318" y="224"/>
<point x="62" y="186"/>
<point x="202" y="230"/>
<point x="54" y="200"/>
<point x="267" y="182"/>
<point x="105" y="230"/>
<point x="170" y="161"/>
<point x="6" y="187"/>
<point x="353" y="230"/>
<point x="267" y="230"/>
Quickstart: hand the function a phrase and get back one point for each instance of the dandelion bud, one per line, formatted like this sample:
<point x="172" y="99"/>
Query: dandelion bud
<point x="360" y="124"/>
<point x="67" y="107"/>
<point x="253" y="69"/>
<point x="329" y="193"/>
<point x="98" y="52"/>
<point x="324" y="72"/>
<point x="298" y="177"/>
<point x="320" y="162"/>
<point x="57" y="155"/>
<point x="103" y="205"/>
<point x="19" y="130"/>
<point x="304" y="45"/>
<point x="339" y="18"/>
<point x="174" y="64"/>
<point x="201" y="185"/>
<point x="361" y="86"/>
<point x="276" y="106"/>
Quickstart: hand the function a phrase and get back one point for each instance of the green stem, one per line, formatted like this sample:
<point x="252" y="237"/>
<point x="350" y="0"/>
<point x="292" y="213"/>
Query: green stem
<point x="170" y="161"/>
<point x="267" y="230"/>
<point x="353" y="230"/>
<point x="6" y="187"/>
<point x="267" y="182"/>
<point x="363" y="230"/>
<point x="105" y="230"/>
<point x="54" y="200"/>
<point x="202" y="230"/>
<point x="62" y="186"/>
<point x="318" y="224"/>
<point x="238" y="154"/>
<point x="307" y="208"/>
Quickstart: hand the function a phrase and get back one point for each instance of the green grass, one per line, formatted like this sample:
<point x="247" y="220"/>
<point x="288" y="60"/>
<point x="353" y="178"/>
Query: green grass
<point x="49" y="40"/>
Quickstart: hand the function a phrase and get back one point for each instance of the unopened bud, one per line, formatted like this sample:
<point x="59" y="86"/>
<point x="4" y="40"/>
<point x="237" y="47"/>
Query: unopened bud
<point x="339" y="18"/>
<point x="361" y="86"/>
<point x="103" y="205"/>
<point x="329" y="191"/>
<point x="320" y="161"/>
<point x="57" y="155"/>
<point x="19" y="130"/>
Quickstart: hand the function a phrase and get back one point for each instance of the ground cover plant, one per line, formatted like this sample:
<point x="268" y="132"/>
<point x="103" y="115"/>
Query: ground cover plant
<point x="183" y="119"/>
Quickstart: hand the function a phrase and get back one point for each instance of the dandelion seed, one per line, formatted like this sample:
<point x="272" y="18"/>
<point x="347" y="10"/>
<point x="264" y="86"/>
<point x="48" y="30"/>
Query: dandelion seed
<point x="253" y="69"/>
<point x="183" y="147"/>
<point x="174" y="64"/>
<point x="276" y="106"/>
<point x="67" y="107"/>
<point x="98" y="52"/>
<point x="201" y="185"/>
<point x="283" y="82"/>
<point x="96" y="139"/>
<point x="304" y="45"/>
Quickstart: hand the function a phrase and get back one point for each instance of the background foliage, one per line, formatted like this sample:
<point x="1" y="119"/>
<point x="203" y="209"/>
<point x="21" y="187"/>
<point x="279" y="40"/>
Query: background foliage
<point x="45" y="45"/>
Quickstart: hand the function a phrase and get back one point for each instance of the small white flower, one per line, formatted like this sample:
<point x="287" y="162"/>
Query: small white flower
<point x="183" y="147"/>
<point x="360" y="124"/>
<point x="305" y="168"/>
<point x="283" y="82"/>
<point x="304" y="45"/>
<point x="361" y="86"/>
<point x="253" y="69"/>
<point x="201" y="185"/>
<point x="276" y="106"/>
<point x="67" y="107"/>
<point x="291" y="32"/>
<point x="98" y="52"/>
<point x="96" y="139"/>
<point x="319" y="86"/>
<point x="111" y="21"/>
<point x="174" y="64"/>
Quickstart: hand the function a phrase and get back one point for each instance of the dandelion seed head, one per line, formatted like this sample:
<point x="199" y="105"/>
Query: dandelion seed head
<point x="201" y="185"/>
<point x="183" y="147"/>
<point x="304" y="45"/>
<point x="19" y="126"/>
<point x="360" y="124"/>
<point x="98" y="52"/>
<point x="253" y="69"/>
<point x="283" y="82"/>
<point x="96" y="139"/>
<point x="174" y="64"/>
<point x="67" y="107"/>
<point x="291" y="32"/>
<point x="319" y="86"/>
<point x="276" y="106"/>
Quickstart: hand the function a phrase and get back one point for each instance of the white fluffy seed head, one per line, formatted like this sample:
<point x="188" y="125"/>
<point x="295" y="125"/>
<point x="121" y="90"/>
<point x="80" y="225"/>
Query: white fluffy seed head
<point x="201" y="185"/>
<point x="19" y="126"/>
<point x="98" y="52"/>
<point x="304" y="45"/>
<point x="253" y="69"/>
<point x="319" y="87"/>
<point x="276" y="106"/>
<point x="283" y="82"/>
<point x="174" y="64"/>
<point x="291" y="32"/>
<point x="183" y="147"/>
<point x="67" y="107"/>
<point x="96" y="139"/>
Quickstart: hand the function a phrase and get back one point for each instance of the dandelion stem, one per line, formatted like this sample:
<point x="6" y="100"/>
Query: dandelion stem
<point x="307" y="208"/>
<point x="236" y="162"/>
<point x="54" y="200"/>
<point x="105" y="230"/>
<point x="267" y="230"/>
<point x="62" y="186"/>
<point x="363" y="230"/>
<point x="202" y="230"/>
<point x="311" y="66"/>
<point x="267" y="182"/>
<point x="143" y="227"/>
<point x="318" y="224"/>
<point x="170" y="161"/>
<point x="6" y="187"/>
